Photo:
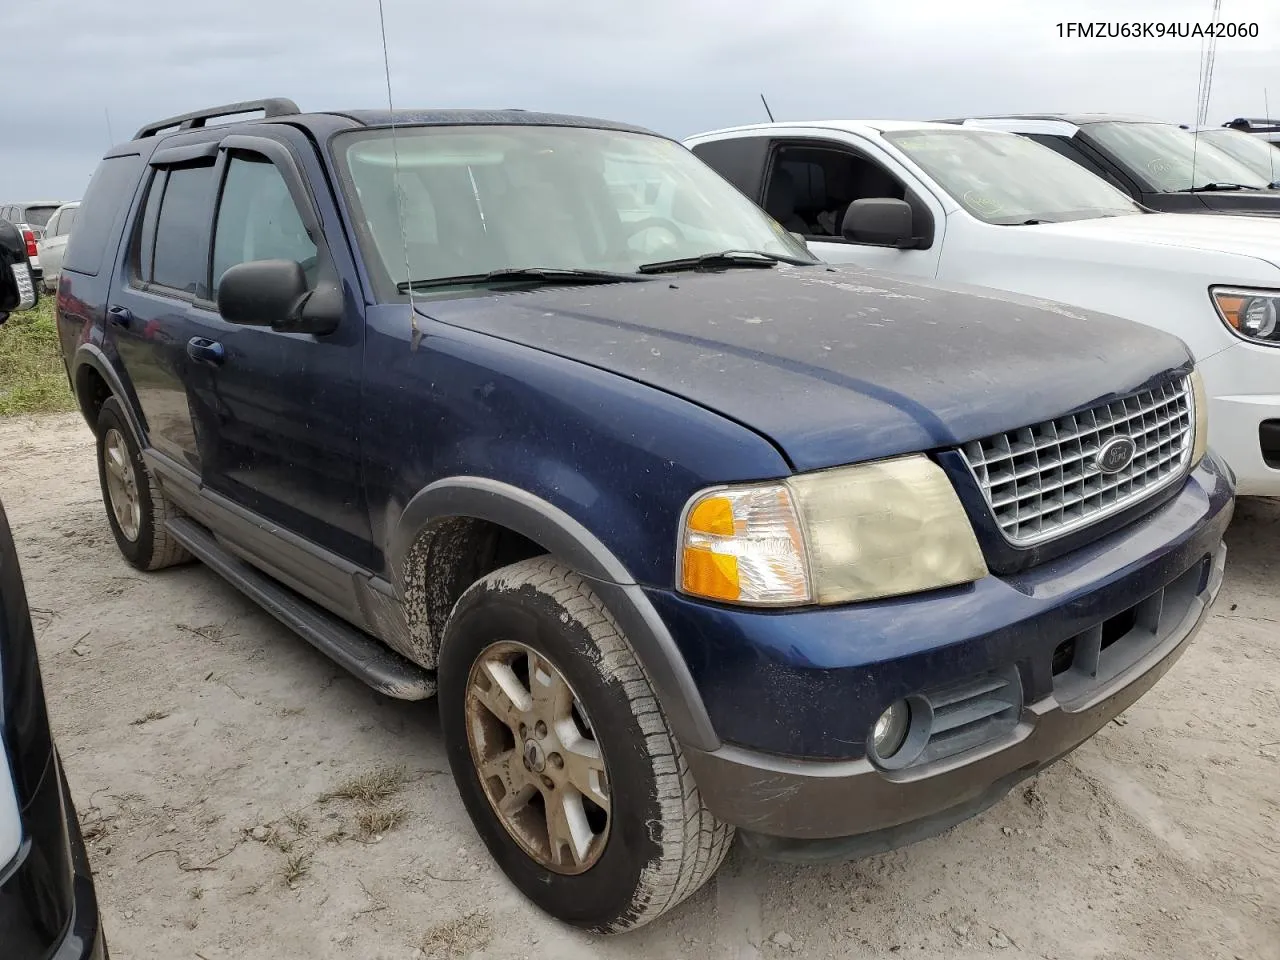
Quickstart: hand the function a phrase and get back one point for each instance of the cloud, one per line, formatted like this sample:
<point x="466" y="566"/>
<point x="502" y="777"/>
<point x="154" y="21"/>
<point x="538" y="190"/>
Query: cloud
<point x="678" y="66"/>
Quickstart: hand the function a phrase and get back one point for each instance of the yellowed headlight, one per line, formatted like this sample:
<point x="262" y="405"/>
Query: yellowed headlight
<point x="885" y="528"/>
<point x="852" y="533"/>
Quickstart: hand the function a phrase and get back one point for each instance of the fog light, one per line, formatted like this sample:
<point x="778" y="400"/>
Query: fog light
<point x="891" y="730"/>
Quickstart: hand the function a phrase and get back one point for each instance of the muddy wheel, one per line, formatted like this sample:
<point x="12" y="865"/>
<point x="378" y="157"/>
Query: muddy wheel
<point x="563" y="757"/>
<point x="136" y="507"/>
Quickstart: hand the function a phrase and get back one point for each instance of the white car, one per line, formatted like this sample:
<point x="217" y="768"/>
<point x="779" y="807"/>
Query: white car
<point x="53" y="246"/>
<point x="995" y="209"/>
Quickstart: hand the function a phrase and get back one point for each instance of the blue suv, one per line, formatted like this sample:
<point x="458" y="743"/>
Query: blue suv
<point x="687" y="532"/>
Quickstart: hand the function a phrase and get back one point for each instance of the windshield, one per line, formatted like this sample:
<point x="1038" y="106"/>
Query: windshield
<point x="38" y="216"/>
<point x="1007" y="179"/>
<point x="1164" y="156"/>
<point x="1258" y="155"/>
<point x="480" y="199"/>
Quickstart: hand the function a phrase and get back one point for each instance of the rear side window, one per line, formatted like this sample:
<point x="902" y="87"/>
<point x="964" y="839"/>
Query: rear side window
<point x="39" y="216"/>
<point x="103" y="207"/>
<point x="65" y="220"/>
<point x="182" y="232"/>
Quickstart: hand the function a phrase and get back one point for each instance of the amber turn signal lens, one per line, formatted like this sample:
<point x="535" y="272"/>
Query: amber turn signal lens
<point x="711" y="575"/>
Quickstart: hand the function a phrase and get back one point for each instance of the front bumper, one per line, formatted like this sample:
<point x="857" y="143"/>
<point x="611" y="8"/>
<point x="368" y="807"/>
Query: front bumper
<point x="1138" y="596"/>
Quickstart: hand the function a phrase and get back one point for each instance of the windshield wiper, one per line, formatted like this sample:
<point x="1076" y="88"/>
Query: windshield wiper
<point x="561" y="275"/>
<point x="1212" y="187"/>
<point x="725" y="258"/>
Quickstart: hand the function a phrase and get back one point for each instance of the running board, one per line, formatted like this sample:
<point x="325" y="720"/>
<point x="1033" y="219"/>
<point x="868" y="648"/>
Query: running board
<point x="379" y="667"/>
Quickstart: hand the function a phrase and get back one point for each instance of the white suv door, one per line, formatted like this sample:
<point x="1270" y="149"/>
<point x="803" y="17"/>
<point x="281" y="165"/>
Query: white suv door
<point x="809" y="178"/>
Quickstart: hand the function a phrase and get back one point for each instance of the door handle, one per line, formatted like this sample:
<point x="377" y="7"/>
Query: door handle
<point x="120" y="316"/>
<point x="206" y="351"/>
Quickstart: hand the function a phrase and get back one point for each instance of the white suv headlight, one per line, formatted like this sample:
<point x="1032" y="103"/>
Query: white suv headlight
<point x="851" y="533"/>
<point x="1253" y="315"/>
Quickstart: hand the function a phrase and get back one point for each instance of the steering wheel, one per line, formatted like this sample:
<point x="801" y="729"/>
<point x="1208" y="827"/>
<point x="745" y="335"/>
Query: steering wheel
<point x="657" y="223"/>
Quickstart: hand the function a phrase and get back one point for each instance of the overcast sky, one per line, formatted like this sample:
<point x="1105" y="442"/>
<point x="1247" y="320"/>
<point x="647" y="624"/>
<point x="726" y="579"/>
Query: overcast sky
<point x="677" y="66"/>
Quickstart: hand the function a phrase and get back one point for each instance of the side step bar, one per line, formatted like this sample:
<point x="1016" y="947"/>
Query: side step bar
<point x="382" y="669"/>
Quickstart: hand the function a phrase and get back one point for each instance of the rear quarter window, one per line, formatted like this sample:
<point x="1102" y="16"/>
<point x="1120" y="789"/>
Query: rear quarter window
<point x="39" y="216"/>
<point x="100" y="212"/>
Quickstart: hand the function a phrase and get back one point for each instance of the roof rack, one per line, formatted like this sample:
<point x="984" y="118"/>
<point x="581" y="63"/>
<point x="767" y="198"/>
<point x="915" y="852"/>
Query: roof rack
<point x="271" y="107"/>
<point x="1253" y="123"/>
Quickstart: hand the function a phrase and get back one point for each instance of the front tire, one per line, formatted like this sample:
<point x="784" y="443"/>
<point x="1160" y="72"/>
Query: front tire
<point x="136" y="506"/>
<point x="563" y="757"/>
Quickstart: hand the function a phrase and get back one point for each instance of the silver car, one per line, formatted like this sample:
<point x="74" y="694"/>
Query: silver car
<point x="53" y="246"/>
<point x="30" y="217"/>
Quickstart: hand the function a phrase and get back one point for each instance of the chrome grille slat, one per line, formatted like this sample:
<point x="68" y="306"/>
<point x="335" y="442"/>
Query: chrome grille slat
<point x="1041" y="481"/>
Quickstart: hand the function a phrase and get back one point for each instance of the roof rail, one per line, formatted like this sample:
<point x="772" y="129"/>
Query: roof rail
<point x="1252" y="123"/>
<point x="271" y="107"/>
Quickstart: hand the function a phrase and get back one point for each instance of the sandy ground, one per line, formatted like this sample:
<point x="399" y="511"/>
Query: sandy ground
<point x="201" y="740"/>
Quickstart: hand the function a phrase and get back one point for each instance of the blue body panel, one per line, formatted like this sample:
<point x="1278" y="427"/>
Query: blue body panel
<point x="619" y="457"/>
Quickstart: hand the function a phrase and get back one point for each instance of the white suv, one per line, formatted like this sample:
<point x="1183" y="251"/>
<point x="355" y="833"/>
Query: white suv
<point x="995" y="209"/>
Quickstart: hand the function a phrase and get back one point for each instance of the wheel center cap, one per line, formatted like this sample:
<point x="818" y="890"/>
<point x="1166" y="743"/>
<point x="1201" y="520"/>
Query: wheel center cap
<point x="534" y="758"/>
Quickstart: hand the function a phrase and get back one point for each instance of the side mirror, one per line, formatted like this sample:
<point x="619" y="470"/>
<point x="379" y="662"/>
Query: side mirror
<point x="17" y="290"/>
<point x="275" y="294"/>
<point x="883" y="221"/>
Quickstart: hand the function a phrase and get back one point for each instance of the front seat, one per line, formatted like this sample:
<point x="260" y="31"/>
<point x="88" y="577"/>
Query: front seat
<point x="781" y="202"/>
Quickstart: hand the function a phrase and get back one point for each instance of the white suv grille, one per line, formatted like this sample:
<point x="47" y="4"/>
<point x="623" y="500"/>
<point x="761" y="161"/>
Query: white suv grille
<point x="1043" y="481"/>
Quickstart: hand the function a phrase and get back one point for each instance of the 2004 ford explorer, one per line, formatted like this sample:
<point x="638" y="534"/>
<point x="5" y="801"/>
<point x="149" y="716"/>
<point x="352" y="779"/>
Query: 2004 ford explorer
<point x="689" y="532"/>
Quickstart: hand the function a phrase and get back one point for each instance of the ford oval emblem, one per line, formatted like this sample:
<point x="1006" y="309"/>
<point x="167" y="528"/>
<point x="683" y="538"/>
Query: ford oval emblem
<point x="1116" y="454"/>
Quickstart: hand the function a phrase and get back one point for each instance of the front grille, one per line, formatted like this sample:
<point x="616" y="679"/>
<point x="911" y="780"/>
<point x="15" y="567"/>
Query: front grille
<point x="1043" y="481"/>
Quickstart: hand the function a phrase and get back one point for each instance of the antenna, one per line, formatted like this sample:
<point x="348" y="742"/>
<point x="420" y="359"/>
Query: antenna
<point x="395" y="176"/>
<point x="766" y="108"/>
<point x="1266" y="112"/>
<point x="1206" y="83"/>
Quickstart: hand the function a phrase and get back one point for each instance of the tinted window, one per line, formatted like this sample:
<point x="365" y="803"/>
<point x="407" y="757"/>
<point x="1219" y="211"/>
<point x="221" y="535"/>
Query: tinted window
<point x="65" y="220"/>
<point x="144" y="240"/>
<point x="39" y="216"/>
<point x="257" y="219"/>
<point x="740" y="161"/>
<point x="101" y="210"/>
<point x="181" y="254"/>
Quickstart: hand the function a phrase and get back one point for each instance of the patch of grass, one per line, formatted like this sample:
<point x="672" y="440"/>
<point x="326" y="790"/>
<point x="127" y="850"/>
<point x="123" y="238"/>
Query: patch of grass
<point x="296" y="867"/>
<point x="369" y="788"/>
<point x="458" y="938"/>
<point x="148" y="717"/>
<point x="375" y="821"/>
<point x="298" y="822"/>
<point x="32" y="377"/>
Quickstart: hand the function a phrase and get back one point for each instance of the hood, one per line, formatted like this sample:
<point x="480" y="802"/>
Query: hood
<point x="1257" y="237"/>
<point x="836" y="365"/>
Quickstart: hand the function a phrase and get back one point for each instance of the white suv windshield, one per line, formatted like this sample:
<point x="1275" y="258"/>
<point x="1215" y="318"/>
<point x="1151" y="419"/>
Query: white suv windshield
<point x="482" y="199"/>
<point x="1007" y="179"/>
<point x="1168" y="158"/>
